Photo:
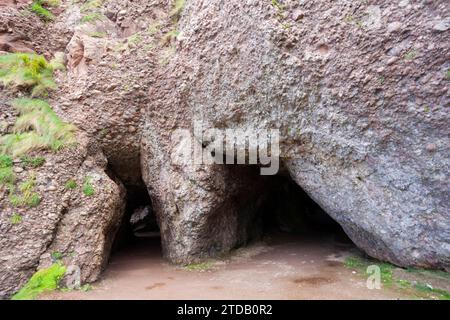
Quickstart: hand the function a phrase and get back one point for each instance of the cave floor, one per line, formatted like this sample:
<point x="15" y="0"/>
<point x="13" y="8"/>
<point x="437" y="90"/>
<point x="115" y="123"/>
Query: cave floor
<point x="281" y="266"/>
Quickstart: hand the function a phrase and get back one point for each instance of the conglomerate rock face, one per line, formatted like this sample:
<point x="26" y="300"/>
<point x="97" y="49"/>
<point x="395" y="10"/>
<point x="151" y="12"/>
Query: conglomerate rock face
<point x="359" y="92"/>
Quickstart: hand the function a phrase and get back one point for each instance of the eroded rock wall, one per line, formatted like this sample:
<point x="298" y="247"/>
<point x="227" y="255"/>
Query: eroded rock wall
<point x="359" y="92"/>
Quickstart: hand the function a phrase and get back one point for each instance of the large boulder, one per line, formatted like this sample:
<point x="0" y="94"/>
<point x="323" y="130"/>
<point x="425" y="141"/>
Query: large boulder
<point x="359" y="92"/>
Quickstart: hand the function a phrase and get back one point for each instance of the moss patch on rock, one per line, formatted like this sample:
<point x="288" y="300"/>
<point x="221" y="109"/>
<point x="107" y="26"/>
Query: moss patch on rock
<point x="43" y="280"/>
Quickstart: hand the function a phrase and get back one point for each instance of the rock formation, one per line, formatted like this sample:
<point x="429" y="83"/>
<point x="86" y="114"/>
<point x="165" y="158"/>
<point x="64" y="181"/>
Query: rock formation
<point x="359" y="92"/>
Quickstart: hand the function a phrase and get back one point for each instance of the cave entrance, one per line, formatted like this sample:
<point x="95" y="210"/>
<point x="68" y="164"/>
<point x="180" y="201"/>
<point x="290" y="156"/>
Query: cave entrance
<point x="288" y="209"/>
<point x="138" y="229"/>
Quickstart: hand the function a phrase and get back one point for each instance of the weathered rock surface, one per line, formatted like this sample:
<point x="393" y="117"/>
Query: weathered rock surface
<point x="67" y="225"/>
<point x="359" y="93"/>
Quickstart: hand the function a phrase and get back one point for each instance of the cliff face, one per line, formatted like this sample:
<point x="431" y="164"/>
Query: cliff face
<point x="358" y="91"/>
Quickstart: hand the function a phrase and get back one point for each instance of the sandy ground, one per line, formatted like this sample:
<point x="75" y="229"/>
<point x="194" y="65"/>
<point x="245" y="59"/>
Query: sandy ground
<point x="280" y="267"/>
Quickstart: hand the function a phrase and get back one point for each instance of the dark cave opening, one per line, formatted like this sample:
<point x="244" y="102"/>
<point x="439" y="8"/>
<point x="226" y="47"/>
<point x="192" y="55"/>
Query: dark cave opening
<point x="289" y="209"/>
<point x="138" y="226"/>
<point x="284" y="210"/>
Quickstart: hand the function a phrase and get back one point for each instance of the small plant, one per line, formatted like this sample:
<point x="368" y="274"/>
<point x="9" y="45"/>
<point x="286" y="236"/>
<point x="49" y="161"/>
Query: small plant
<point x="26" y="70"/>
<point x="34" y="162"/>
<point x="447" y="75"/>
<point x="42" y="281"/>
<point x="16" y="218"/>
<point x="37" y="128"/>
<point x="70" y="184"/>
<point x="27" y="196"/>
<point x="56" y="256"/>
<point x="88" y="188"/>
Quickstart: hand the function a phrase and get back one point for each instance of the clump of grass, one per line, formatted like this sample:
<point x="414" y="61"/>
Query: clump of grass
<point x="6" y="171"/>
<point x="37" y="128"/>
<point x="27" y="70"/>
<point x="88" y="188"/>
<point x="5" y="161"/>
<point x="70" y="184"/>
<point x="37" y="7"/>
<point x="7" y="176"/>
<point x="34" y="162"/>
<point x="200" y="266"/>
<point x="43" y="280"/>
<point x="15" y="218"/>
<point x="27" y="196"/>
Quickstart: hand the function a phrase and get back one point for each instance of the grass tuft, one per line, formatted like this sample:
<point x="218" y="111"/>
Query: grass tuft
<point x="34" y="162"/>
<point x="88" y="188"/>
<point x="37" y="128"/>
<point x="15" y="218"/>
<point x="70" y="184"/>
<point x="29" y="71"/>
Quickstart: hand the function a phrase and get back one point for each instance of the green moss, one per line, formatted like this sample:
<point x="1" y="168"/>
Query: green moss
<point x="15" y="218"/>
<point x="43" y="280"/>
<point x="37" y="128"/>
<point x="70" y="184"/>
<point x="34" y="162"/>
<point x="201" y="266"/>
<point x="88" y="188"/>
<point x="447" y="74"/>
<point x="30" y="71"/>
